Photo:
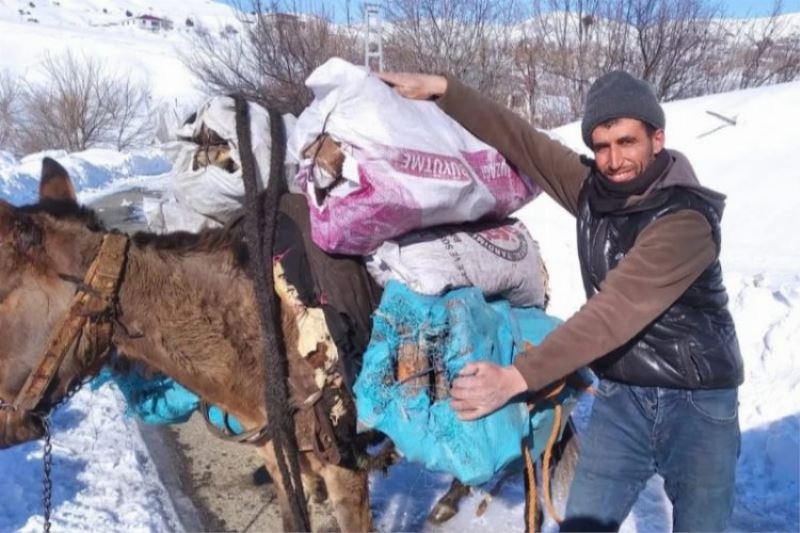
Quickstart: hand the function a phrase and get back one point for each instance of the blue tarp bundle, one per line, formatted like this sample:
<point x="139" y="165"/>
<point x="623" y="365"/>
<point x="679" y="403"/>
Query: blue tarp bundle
<point x="160" y="399"/>
<point x="459" y="327"/>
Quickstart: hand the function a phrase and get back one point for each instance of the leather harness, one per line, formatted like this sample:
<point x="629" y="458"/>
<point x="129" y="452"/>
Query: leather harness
<point x="90" y="315"/>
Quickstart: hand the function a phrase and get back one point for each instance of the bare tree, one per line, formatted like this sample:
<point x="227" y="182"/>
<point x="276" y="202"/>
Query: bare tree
<point x="673" y="38"/>
<point x="131" y="114"/>
<point x="680" y="46"/>
<point x="471" y="39"/>
<point x="538" y="58"/>
<point x="568" y="32"/>
<point x="281" y="44"/>
<point x="10" y="95"/>
<point x="771" y="52"/>
<point x="527" y="55"/>
<point x="81" y="104"/>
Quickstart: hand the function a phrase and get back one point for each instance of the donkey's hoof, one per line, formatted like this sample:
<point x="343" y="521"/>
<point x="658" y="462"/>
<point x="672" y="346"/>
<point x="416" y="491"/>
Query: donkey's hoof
<point x="441" y="513"/>
<point x="261" y="476"/>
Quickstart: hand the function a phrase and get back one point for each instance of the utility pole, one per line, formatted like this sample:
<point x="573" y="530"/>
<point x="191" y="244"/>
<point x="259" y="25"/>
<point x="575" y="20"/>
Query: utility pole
<point x="373" y="38"/>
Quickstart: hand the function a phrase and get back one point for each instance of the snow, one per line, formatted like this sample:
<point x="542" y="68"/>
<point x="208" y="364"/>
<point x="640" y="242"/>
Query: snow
<point x="98" y="13"/>
<point x="84" y="29"/>
<point x="93" y="171"/>
<point x="103" y="476"/>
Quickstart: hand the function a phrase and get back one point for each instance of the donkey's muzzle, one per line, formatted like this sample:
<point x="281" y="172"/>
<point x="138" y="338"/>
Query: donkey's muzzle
<point x="18" y="427"/>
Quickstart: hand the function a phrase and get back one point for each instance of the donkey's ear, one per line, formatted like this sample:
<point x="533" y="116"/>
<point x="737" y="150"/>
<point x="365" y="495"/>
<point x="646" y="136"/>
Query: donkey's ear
<point x="55" y="183"/>
<point x="18" y="229"/>
<point x="6" y="218"/>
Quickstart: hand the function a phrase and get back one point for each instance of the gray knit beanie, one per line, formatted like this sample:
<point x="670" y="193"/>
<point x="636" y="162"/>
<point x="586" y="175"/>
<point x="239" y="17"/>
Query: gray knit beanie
<point x="620" y="95"/>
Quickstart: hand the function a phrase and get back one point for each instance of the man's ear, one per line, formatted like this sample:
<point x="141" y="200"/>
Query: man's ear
<point x="56" y="183"/>
<point x="659" y="138"/>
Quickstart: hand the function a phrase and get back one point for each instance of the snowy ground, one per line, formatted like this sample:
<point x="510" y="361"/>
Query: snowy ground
<point x="103" y="477"/>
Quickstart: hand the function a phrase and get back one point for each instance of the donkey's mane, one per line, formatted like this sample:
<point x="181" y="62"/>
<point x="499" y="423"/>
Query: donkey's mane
<point x="65" y="209"/>
<point x="179" y="242"/>
<point x="208" y="240"/>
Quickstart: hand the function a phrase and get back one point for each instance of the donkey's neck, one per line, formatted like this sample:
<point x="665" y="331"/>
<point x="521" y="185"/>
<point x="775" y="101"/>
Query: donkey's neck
<point x="193" y="317"/>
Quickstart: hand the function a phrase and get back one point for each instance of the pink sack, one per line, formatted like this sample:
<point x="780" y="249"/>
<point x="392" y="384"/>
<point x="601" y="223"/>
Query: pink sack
<point x="407" y="165"/>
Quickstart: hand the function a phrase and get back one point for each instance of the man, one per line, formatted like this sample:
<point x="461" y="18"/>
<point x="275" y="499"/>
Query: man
<point x="655" y="329"/>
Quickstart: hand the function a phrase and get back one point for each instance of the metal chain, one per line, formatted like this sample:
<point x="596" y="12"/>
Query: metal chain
<point x="47" y="481"/>
<point x="47" y="457"/>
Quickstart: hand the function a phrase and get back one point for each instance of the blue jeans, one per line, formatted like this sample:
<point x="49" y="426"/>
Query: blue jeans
<point x="690" y="437"/>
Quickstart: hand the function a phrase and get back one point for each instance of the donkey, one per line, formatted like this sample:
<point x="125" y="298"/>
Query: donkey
<point x="188" y="311"/>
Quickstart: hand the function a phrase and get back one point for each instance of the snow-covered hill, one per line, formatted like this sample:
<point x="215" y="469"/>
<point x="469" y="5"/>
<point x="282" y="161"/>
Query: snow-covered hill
<point x="99" y="13"/>
<point x="31" y="29"/>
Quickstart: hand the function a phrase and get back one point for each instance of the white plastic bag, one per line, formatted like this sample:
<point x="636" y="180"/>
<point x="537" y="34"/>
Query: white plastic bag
<point x="207" y="196"/>
<point x="500" y="258"/>
<point x="407" y="165"/>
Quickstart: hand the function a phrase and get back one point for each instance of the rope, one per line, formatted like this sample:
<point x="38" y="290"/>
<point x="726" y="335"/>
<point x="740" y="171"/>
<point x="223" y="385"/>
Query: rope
<point x="255" y="436"/>
<point x="530" y="471"/>
<point x="548" y="454"/>
<point x="549" y="395"/>
<point x="260" y="217"/>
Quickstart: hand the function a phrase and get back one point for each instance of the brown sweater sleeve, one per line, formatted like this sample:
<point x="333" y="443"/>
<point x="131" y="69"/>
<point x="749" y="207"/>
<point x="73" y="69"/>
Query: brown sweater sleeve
<point x="667" y="257"/>
<point x="558" y="170"/>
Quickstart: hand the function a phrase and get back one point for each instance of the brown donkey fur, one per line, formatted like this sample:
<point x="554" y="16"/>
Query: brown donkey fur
<point x="187" y="310"/>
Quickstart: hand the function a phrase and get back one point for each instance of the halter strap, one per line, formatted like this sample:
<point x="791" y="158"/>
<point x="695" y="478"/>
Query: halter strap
<point x="102" y="280"/>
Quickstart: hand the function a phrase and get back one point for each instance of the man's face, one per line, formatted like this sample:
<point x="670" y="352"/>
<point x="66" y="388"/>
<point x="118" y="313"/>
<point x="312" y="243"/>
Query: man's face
<point x="623" y="148"/>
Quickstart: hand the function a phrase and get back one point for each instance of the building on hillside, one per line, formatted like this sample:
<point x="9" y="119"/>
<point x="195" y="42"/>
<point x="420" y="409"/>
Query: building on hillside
<point x="148" y="22"/>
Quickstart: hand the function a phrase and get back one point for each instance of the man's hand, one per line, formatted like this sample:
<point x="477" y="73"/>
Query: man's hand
<point x="482" y="388"/>
<point x="415" y="86"/>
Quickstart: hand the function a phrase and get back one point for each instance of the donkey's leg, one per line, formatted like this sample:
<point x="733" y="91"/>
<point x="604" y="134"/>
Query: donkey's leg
<point x="267" y="452"/>
<point x="447" y="506"/>
<point x="348" y="492"/>
<point x="317" y="494"/>
<point x="313" y="486"/>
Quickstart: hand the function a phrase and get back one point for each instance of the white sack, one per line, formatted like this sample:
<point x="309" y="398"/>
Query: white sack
<point x="500" y="258"/>
<point x="407" y="164"/>
<point x="206" y="197"/>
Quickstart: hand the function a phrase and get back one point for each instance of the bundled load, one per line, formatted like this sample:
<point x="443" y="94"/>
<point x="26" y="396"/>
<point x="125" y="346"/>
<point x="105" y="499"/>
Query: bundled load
<point x="375" y="165"/>
<point x="206" y="185"/>
<point x="426" y="203"/>
<point x="418" y="346"/>
<point x="500" y="258"/>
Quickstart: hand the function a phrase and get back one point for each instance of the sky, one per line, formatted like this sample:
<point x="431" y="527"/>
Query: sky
<point x="734" y="8"/>
<point x="744" y="8"/>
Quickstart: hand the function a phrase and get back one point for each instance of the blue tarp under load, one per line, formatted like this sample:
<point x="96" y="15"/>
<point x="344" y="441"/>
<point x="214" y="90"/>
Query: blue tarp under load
<point x="444" y="333"/>
<point x="160" y="399"/>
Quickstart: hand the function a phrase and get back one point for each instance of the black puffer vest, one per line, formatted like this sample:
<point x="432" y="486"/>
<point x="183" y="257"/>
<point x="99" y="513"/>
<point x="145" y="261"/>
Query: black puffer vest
<point x="693" y="344"/>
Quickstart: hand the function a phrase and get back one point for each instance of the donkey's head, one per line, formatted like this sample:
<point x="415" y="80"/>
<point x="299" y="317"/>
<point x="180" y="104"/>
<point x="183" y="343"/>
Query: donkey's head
<point x="44" y="248"/>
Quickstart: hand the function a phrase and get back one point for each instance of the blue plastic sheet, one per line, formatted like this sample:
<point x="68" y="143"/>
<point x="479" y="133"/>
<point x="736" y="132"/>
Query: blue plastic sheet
<point x="457" y="328"/>
<point x="160" y="399"/>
